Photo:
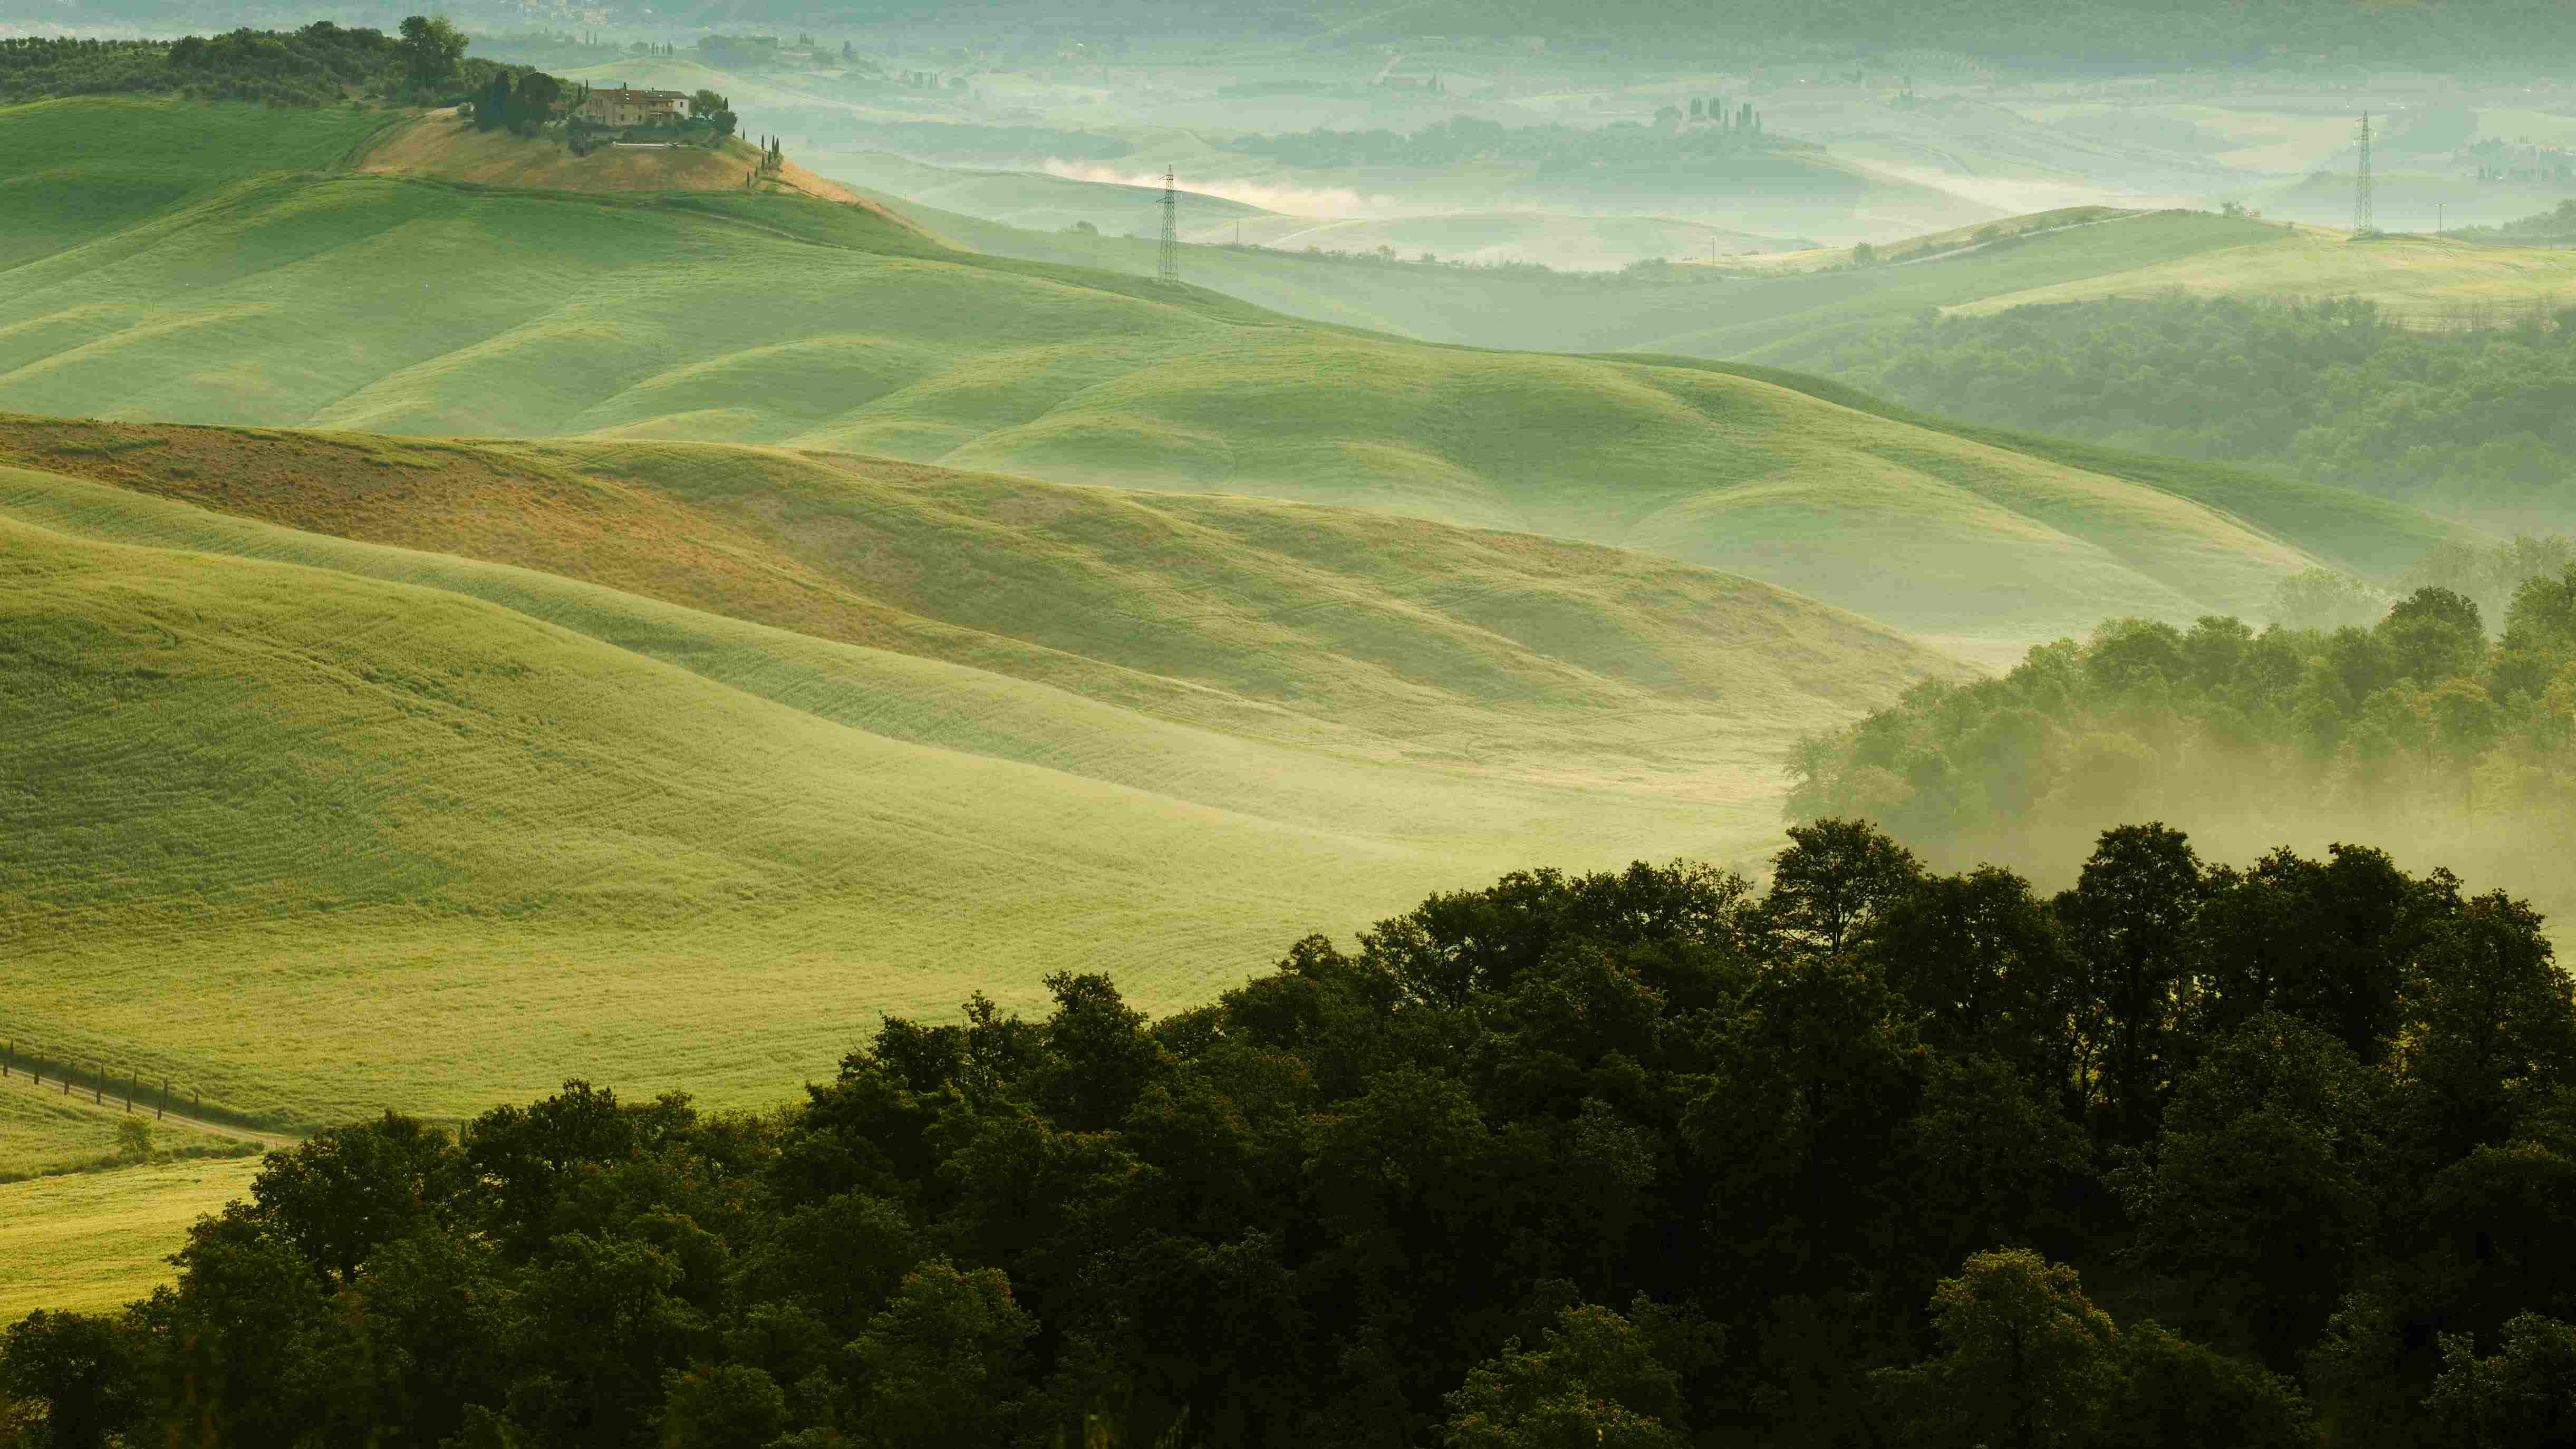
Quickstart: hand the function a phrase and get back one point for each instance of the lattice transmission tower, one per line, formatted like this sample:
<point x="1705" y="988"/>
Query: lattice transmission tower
<point x="2361" y="223"/>
<point x="1169" y="272"/>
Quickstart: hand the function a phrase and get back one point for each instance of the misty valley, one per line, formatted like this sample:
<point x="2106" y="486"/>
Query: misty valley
<point x="952" y="723"/>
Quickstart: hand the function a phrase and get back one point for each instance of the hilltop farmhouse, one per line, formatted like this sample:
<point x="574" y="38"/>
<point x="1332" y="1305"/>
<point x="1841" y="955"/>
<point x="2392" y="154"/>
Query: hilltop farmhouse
<point x="623" y="107"/>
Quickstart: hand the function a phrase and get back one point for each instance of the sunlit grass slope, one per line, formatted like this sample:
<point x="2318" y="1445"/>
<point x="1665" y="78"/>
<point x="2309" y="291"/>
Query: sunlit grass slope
<point x="91" y="1242"/>
<point x="83" y="168"/>
<point x="1374" y="636"/>
<point x="324" y="844"/>
<point x="42" y="1127"/>
<point x="395" y="306"/>
<point x="291" y="797"/>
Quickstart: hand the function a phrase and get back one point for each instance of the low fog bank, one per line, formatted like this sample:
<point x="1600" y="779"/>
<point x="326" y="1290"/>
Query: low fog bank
<point x="2439" y="727"/>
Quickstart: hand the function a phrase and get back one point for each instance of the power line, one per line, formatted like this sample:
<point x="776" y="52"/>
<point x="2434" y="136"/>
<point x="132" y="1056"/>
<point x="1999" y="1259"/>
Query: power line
<point x="1169" y="272"/>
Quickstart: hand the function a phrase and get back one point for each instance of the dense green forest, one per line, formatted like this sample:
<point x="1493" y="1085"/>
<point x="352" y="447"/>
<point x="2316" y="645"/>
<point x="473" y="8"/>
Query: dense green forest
<point x="2335" y="391"/>
<point x="2418" y="722"/>
<point x="2184" y="1155"/>
<point x="319" y="65"/>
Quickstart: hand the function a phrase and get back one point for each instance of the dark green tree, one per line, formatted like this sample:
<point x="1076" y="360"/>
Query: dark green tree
<point x="722" y="1406"/>
<point x="1593" y="1380"/>
<point x="2521" y="1397"/>
<point x="534" y="102"/>
<point x="344" y="1191"/>
<point x="2262" y="1183"/>
<point x="86" y="1372"/>
<point x="2129" y="919"/>
<point x="2024" y="1359"/>
<point x="2177" y="1393"/>
<point x="2490" y="1029"/>
<point x="430" y="49"/>
<point x="942" y="1366"/>
<point x="1832" y="880"/>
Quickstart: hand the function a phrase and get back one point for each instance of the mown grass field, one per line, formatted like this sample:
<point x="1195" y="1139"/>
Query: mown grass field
<point x="92" y="1241"/>
<point x="416" y="307"/>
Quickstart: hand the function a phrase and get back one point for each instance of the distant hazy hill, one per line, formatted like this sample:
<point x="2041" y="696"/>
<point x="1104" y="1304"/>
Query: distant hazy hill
<point x="1036" y="201"/>
<point x="1780" y="313"/>
<point x="423" y="307"/>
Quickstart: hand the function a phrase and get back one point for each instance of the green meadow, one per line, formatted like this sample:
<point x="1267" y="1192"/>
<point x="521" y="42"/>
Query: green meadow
<point x="95" y="1240"/>
<point x="43" y="1126"/>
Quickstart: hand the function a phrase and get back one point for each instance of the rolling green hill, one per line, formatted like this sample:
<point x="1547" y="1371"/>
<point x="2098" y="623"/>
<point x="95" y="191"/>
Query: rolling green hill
<point x="415" y="306"/>
<point x="1086" y="729"/>
<point x="1366" y="635"/>
<point x="65" y="183"/>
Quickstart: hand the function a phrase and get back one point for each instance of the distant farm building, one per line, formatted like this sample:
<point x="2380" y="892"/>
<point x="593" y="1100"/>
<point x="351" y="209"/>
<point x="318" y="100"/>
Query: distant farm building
<point x="624" y="107"/>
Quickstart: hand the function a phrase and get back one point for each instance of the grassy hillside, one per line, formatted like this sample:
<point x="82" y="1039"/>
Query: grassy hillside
<point x="42" y="1127"/>
<point x="81" y="169"/>
<point x="285" y="775"/>
<point x="501" y="793"/>
<point x="2372" y="535"/>
<point x="98" y="1240"/>
<point x="1374" y="636"/>
<point x="401" y="306"/>
<point x="2422" y="278"/>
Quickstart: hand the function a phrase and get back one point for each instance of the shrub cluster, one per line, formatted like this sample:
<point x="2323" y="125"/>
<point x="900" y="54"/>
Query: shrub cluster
<point x="322" y="64"/>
